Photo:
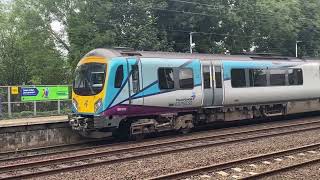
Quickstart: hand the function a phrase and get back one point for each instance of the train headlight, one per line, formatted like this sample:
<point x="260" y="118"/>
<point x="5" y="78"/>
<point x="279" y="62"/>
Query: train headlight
<point x="75" y="104"/>
<point x="98" y="105"/>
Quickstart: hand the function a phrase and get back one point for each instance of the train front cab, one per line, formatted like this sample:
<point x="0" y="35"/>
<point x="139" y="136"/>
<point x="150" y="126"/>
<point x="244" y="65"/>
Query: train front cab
<point x="89" y="90"/>
<point x="99" y="87"/>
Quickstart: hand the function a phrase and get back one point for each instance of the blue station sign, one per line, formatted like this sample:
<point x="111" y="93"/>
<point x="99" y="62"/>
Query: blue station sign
<point x="29" y="92"/>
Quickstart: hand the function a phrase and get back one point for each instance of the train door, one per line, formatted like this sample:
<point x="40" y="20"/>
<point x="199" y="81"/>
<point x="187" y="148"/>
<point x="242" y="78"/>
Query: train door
<point x="207" y="84"/>
<point x="135" y="80"/>
<point x="218" y="83"/>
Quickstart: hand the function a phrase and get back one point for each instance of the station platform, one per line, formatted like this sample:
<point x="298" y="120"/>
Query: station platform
<point x="29" y="133"/>
<point x="33" y="121"/>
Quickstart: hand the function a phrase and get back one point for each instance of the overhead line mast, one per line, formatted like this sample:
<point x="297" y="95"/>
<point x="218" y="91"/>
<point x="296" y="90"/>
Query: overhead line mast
<point x="192" y="45"/>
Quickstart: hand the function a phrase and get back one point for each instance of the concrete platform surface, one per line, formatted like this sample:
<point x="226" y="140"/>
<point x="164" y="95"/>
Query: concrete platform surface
<point x="32" y="121"/>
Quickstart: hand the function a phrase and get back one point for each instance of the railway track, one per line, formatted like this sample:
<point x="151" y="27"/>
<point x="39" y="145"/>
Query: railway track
<point x="77" y="161"/>
<point x="226" y="169"/>
<point x="56" y="150"/>
<point x="50" y="150"/>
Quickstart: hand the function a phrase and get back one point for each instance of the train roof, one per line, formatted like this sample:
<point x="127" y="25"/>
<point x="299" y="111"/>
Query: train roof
<point x="112" y="53"/>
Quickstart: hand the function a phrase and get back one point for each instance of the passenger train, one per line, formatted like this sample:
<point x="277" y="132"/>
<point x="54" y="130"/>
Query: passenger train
<point x="134" y="93"/>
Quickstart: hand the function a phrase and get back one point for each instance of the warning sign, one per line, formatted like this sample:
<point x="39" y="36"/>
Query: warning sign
<point x="14" y="90"/>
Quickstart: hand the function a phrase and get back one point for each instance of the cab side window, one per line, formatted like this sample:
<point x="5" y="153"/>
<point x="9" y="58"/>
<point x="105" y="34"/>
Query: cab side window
<point x="118" y="77"/>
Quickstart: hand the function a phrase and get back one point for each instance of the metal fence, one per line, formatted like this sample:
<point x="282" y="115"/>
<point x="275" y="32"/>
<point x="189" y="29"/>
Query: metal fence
<point x="13" y="105"/>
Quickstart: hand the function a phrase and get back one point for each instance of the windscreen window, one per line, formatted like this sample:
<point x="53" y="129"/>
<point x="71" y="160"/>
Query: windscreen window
<point x="89" y="79"/>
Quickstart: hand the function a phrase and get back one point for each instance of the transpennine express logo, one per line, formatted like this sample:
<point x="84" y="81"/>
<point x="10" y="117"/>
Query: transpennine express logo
<point x="186" y="101"/>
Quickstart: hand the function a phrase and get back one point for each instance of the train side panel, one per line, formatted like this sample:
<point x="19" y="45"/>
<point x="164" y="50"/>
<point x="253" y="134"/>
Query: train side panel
<point x="310" y="89"/>
<point x="150" y="98"/>
<point x="173" y="97"/>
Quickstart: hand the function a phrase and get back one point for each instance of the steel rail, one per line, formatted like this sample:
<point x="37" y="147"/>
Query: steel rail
<point x="38" y="155"/>
<point x="226" y="165"/>
<point x="282" y="169"/>
<point x="145" y="152"/>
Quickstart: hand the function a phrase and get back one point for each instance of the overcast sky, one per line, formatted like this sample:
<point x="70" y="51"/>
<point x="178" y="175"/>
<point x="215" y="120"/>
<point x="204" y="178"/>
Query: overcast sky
<point x="56" y="26"/>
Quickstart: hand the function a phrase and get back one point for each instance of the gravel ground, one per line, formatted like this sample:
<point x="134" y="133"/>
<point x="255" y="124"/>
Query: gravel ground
<point x="150" y="167"/>
<point x="244" y="169"/>
<point x="165" y="139"/>
<point x="307" y="172"/>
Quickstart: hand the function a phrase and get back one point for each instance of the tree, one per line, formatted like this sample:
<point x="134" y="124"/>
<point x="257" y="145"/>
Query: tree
<point x="29" y="54"/>
<point x="309" y="32"/>
<point x="278" y="27"/>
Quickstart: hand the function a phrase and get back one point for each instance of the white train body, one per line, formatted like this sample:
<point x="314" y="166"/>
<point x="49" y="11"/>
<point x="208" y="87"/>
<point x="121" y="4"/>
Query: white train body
<point x="156" y="91"/>
<point x="309" y="89"/>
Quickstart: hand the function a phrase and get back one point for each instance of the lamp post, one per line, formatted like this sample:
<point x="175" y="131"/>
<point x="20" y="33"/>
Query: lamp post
<point x="192" y="45"/>
<point x="297" y="42"/>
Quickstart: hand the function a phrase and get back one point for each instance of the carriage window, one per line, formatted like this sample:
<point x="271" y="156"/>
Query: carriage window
<point x="206" y="77"/>
<point x="165" y="76"/>
<point x="258" y="77"/>
<point x="119" y="77"/>
<point x="277" y="77"/>
<point x="186" y="78"/>
<point x="218" y="76"/>
<point x="295" y="77"/>
<point x="238" y="78"/>
<point x="135" y="78"/>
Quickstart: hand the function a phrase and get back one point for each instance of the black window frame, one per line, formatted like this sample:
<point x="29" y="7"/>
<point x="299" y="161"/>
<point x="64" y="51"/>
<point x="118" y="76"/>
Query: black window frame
<point x="135" y="77"/>
<point x="300" y="80"/>
<point x="159" y="80"/>
<point x="253" y="80"/>
<point x="218" y="76"/>
<point x="88" y="91"/>
<point x="179" y="78"/>
<point x="298" y="77"/>
<point x="118" y="81"/>
<point x="206" y="77"/>
<point x="233" y="83"/>
<point x="272" y="80"/>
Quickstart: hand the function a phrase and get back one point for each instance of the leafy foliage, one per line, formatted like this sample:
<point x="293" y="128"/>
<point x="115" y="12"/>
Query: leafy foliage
<point x="32" y="52"/>
<point x="28" y="54"/>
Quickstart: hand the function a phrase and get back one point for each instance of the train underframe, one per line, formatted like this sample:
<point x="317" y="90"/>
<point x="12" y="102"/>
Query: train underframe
<point x="138" y="127"/>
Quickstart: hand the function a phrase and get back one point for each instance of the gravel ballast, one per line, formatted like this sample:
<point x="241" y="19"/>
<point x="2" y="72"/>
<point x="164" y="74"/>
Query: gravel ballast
<point x="167" y="139"/>
<point x="159" y="165"/>
<point x="307" y="172"/>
